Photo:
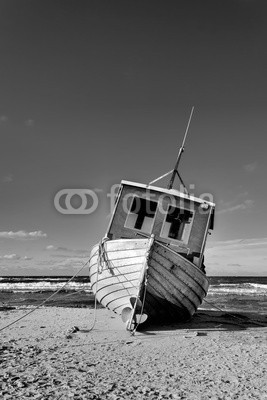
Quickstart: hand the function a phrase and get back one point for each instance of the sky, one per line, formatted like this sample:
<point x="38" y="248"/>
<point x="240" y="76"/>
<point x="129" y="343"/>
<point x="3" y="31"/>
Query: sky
<point x="93" y="92"/>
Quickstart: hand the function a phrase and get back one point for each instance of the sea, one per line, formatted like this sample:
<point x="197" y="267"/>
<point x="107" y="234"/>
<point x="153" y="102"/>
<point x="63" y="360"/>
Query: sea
<point x="246" y="294"/>
<point x="24" y="291"/>
<point x="226" y="293"/>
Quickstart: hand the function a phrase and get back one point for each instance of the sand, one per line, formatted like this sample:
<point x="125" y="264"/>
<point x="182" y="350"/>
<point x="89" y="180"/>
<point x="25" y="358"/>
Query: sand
<point x="215" y="356"/>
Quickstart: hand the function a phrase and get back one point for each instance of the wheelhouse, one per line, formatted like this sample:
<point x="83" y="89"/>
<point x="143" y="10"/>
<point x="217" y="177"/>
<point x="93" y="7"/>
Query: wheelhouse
<point x="177" y="220"/>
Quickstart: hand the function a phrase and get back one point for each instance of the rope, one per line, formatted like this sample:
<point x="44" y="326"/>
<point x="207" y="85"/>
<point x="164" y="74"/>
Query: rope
<point x="72" y="294"/>
<point x="144" y="279"/>
<point x="104" y="257"/>
<point x="95" y="306"/>
<point x="142" y="309"/>
<point x="66" y="295"/>
<point x="234" y="316"/>
<point x="161" y="177"/>
<point x="50" y="297"/>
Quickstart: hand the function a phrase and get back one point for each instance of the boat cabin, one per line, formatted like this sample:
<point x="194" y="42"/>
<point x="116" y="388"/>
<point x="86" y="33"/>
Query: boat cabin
<point x="177" y="220"/>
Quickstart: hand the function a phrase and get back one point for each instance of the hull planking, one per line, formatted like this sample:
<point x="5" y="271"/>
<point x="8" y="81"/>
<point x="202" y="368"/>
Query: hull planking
<point x="141" y="276"/>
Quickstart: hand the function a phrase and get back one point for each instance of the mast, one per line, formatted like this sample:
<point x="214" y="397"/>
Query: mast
<point x="181" y="150"/>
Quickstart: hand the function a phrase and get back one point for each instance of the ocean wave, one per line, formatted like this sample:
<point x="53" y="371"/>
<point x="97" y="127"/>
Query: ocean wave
<point x="221" y="286"/>
<point x="43" y="286"/>
<point x="239" y="289"/>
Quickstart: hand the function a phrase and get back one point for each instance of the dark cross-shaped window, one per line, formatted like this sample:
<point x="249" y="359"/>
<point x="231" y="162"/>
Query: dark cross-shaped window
<point x="177" y="218"/>
<point x="143" y="208"/>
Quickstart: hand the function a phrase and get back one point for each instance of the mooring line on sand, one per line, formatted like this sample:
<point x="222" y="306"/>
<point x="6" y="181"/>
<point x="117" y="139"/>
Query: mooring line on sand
<point x="66" y="295"/>
<point x="50" y="297"/>
<point x="234" y="316"/>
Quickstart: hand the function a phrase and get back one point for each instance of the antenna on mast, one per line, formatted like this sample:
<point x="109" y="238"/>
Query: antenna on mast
<point x="181" y="150"/>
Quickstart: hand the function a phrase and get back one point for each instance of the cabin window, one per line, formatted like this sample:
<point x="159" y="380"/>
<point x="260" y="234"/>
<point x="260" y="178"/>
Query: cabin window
<point x="141" y="214"/>
<point x="177" y="224"/>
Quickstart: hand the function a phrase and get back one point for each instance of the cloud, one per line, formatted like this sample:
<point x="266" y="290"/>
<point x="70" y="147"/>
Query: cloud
<point x="248" y="203"/>
<point x="240" y="257"/>
<point x="8" y="178"/>
<point x="239" y="244"/>
<point x="239" y="202"/>
<point x="68" y="256"/>
<point x="71" y="262"/>
<point x="68" y="265"/>
<point x="14" y="257"/>
<point x="251" y="167"/>
<point x="51" y="247"/>
<point x="10" y="257"/>
<point x="44" y="263"/>
<point x="23" y="235"/>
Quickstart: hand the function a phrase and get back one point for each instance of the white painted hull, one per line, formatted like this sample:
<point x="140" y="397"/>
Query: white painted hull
<point x="170" y="286"/>
<point x="115" y="282"/>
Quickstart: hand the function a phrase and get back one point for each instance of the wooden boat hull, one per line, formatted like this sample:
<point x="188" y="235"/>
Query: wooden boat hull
<point x="116" y="279"/>
<point x="167" y="285"/>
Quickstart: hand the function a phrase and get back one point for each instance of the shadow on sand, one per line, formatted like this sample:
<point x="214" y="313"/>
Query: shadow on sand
<point x="208" y="320"/>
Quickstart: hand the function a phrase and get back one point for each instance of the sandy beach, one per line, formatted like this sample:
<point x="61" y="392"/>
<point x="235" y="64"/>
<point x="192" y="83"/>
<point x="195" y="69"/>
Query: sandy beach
<point x="215" y="356"/>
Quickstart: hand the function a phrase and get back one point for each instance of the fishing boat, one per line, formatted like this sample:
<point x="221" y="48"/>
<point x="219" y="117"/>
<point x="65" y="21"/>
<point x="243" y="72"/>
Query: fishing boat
<point x="149" y="265"/>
